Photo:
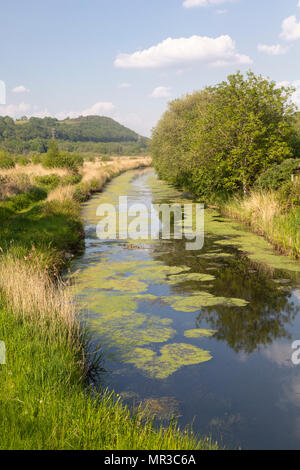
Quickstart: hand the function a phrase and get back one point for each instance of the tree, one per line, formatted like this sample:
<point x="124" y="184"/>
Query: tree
<point x="237" y="130"/>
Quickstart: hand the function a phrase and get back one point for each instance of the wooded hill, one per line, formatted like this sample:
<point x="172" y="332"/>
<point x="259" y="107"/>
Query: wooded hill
<point x="33" y="134"/>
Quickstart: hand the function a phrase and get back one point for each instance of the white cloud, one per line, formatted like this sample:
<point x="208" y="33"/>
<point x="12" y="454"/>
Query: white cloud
<point x="203" y="3"/>
<point x="273" y="50"/>
<point x="99" y="108"/>
<point x="125" y="85"/>
<point x="161" y="92"/>
<point x="183" y="51"/>
<point x="15" y="110"/>
<point x="290" y="29"/>
<point x="20" y="89"/>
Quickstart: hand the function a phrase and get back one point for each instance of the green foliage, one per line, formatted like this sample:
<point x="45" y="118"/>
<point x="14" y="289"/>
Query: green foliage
<point x="23" y="201"/>
<point x="36" y="158"/>
<point x="48" y="182"/>
<point x="72" y="179"/>
<point x="289" y="195"/>
<point x="275" y="176"/>
<point x="6" y="161"/>
<point x="215" y="142"/>
<point x="22" y="160"/>
<point x="56" y="159"/>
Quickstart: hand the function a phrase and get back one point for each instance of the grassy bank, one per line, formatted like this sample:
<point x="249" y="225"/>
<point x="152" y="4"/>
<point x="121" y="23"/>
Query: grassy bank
<point x="277" y="219"/>
<point x="45" y="402"/>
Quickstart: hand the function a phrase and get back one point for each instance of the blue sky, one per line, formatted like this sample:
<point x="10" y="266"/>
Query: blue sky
<point x="128" y="58"/>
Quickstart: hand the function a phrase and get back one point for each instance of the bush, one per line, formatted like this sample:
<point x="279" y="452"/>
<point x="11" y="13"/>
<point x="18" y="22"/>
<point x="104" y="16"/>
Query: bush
<point x="23" y="201"/>
<point x="82" y="192"/>
<point x="72" y="179"/>
<point x="48" y="182"/>
<point x="56" y="159"/>
<point x="6" y="161"/>
<point x="289" y="195"/>
<point x="36" y="158"/>
<point x="22" y="160"/>
<point x="277" y="175"/>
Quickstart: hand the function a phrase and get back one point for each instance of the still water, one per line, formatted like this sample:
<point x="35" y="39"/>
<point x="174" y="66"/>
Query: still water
<point x="203" y="336"/>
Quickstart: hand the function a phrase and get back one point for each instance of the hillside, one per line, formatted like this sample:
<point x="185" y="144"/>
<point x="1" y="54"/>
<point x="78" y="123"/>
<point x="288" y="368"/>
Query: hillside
<point x="33" y="134"/>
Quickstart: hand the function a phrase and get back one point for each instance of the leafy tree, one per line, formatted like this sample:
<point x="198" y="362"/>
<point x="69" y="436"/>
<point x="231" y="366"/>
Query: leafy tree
<point x="226" y="135"/>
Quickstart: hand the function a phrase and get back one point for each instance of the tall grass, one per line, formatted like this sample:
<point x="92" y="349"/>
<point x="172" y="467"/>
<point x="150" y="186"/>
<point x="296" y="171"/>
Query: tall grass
<point x="45" y="402"/>
<point x="263" y="212"/>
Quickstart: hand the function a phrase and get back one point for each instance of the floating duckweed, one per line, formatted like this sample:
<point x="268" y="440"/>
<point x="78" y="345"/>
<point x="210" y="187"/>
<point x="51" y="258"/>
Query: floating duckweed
<point x="145" y="297"/>
<point x="178" y="278"/>
<point x="257" y="248"/>
<point x="157" y="273"/>
<point x="215" y="255"/>
<point x="202" y="299"/>
<point x="172" y="358"/>
<point x="199" y="333"/>
<point x="125" y="285"/>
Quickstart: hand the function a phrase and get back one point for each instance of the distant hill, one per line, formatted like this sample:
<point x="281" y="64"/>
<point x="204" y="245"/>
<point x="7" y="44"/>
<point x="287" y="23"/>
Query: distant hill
<point x="33" y="134"/>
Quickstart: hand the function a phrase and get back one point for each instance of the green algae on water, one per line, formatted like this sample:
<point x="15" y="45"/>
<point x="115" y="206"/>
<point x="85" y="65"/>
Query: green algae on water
<point x="172" y="357"/>
<point x="195" y="302"/>
<point x="185" y="277"/>
<point x="199" y="333"/>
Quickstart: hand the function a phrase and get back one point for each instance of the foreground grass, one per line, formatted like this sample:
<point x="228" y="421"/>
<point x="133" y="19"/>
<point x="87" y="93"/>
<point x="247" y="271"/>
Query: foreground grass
<point x="264" y="213"/>
<point x="45" y="402"/>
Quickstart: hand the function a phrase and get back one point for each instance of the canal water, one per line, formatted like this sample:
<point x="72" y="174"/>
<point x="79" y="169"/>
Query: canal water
<point x="204" y="336"/>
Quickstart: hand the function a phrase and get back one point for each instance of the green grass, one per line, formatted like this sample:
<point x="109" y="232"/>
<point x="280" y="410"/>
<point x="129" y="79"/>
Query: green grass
<point x="45" y="402"/>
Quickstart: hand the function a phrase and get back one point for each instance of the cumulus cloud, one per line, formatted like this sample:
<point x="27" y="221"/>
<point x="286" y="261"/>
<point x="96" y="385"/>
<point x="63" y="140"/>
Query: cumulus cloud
<point x="161" y="92"/>
<point x="20" y="89"/>
<point x="218" y="51"/>
<point x="272" y="50"/>
<point x="15" y="110"/>
<point x="204" y="3"/>
<point x="99" y="108"/>
<point x="290" y="29"/>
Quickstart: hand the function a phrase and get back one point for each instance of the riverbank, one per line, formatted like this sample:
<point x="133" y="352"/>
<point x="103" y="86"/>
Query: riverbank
<point x="266" y="215"/>
<point x="46" y="402"/>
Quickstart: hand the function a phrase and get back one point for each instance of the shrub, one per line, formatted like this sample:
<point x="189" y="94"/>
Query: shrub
<point x="277" y="175"/>
<point x="23" y="201"/>
<point x="36" y="158"/>
<point x="72" y="179"/>
<point x="6" y="161"/>
<point x="82" y="192"/>
<point x="48" y="182"/>
<point x="56" y="159"/>
<point x="289" y="195"/>
<point x="22" y="160"/>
